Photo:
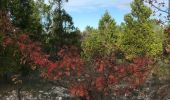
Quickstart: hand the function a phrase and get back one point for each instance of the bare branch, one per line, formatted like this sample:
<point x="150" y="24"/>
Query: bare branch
<point x="159" y="8"/>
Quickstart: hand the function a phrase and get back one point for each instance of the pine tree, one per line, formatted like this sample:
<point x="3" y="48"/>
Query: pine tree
<point x="63" y="31"/>
<point x="140" y="37"/>
<point x="25" y="16"/>
<point x="101" y="42"/>
<point x="107" y="26"/>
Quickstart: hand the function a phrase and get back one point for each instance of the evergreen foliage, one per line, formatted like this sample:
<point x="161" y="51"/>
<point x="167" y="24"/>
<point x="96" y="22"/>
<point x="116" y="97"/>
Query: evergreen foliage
<point x="101" y="42"/>
<point x="140" y="37"/>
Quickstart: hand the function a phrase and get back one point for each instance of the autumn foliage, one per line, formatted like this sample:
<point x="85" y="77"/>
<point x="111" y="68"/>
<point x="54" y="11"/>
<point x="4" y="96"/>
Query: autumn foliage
<point x="110" y="78"/>
<point x="101" y="75"/>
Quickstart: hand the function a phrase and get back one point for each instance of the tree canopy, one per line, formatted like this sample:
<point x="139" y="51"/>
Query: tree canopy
<point x="140" y="37"/>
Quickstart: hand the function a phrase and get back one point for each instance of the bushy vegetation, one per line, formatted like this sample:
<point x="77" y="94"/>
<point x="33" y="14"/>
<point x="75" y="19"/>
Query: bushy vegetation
<point x="89" y="60"/>
<point x="102" y="41"/>
<point x="141" y="36"/>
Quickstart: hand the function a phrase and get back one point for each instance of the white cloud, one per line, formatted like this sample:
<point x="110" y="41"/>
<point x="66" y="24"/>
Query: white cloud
<point x="91" y="5"/>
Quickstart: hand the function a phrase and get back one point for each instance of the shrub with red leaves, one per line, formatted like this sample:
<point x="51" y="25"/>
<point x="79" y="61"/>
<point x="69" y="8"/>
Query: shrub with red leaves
<point x="101" y="75"/>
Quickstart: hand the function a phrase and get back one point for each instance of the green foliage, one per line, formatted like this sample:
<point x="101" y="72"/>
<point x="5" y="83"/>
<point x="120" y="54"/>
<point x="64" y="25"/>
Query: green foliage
<point x="88" y="30"/>
<point x="107" y="27"/>
<point x="141" y="36"/>
<point x="8" y="61"/>
<point x="100" y="42"/>
<point x="3" y="4"/>
<point x="26" y="16"/>
<point x="62" y="29"/>
<point x="162" y="68"/>
<point x="46" y="14"/>
<point x="94" y="45"/>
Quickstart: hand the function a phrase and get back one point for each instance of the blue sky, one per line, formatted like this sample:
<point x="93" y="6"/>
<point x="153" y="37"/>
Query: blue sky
<point x="88" y="12"/>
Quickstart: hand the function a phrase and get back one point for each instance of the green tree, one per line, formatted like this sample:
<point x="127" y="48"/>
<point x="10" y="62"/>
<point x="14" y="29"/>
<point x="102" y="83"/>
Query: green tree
<point x="88" y="30"/>
<point x="26" y="16"/>
<point x="101" y="42"/>
<point x="63" y="31"/>
<point x="140" y="37"/>
<point x="107" y="27"/>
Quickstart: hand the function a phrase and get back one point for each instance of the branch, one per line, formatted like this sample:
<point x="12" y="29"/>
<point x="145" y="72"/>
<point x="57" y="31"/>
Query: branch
<point x="150" y="2"/>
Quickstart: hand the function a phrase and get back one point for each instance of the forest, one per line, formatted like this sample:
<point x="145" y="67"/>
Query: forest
<point x="41" y="49"/>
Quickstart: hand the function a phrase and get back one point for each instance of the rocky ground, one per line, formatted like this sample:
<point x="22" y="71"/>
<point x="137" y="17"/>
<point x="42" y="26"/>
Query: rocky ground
<point x="56" y="93"/>
<point x="154" y="89"/>
<point x="41" y="92"/>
